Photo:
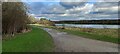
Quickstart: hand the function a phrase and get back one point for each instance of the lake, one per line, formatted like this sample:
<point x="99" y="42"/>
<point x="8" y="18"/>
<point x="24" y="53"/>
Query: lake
<point x="89" y="25"/>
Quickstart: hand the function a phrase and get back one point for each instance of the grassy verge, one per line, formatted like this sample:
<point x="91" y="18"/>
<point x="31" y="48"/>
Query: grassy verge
<point x="93" y="35"/>
<point x="37" y="40"/>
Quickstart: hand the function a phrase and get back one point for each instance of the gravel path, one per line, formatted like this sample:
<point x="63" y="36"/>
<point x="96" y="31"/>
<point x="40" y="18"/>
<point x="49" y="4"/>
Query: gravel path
<point x="70" y="43"/>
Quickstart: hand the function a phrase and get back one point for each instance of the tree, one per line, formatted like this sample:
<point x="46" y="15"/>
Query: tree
<point x="14" y="17"/>
<point x="46" y="22"/>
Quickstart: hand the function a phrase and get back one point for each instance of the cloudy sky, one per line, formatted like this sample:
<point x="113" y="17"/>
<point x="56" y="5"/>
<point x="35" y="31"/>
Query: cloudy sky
<point x="74" y="10"/>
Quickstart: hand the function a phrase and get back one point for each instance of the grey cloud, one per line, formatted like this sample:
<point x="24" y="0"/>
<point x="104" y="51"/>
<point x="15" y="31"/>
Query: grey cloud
<point x="69" y="5"/>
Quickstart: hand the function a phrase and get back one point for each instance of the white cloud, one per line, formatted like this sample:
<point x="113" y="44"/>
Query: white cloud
<point x="64" y="15"/>
<point x="40" y="0"/>
<point x="107" y="10"/>
<point x="72" y="1"/>
<point x="89" y="0"/>
<point x="83" y="10"/>
<point x="32" y="14"/>
<point x="70" y="15"/>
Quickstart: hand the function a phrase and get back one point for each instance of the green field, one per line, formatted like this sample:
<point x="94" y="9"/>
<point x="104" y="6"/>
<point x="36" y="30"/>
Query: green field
<point x="36" y="40"/>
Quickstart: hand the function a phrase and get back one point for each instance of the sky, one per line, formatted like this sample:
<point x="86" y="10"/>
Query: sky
<point x="57" y="10"/>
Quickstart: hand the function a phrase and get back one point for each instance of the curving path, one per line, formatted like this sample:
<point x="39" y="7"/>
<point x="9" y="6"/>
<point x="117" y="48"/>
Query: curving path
<point x="70" y="43"/>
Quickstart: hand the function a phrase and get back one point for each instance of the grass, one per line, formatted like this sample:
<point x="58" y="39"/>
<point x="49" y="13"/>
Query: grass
<point x="108" y="35"/>
<point x="37" y="40"/>
<point x="99" y="31"/>
<point x="96" y="36"/>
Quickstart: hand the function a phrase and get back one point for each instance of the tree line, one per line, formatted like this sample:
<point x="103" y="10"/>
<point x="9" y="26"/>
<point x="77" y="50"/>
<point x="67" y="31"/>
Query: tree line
<point x="42" y="21"/>
<point x="111" y="22"/>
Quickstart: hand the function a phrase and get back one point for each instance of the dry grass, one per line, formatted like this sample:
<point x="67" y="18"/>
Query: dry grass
<point x="106" y="32"/>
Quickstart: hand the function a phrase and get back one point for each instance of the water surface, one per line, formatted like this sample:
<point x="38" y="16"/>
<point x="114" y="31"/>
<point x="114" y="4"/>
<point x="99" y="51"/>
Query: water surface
<point x="88" y="25"/>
